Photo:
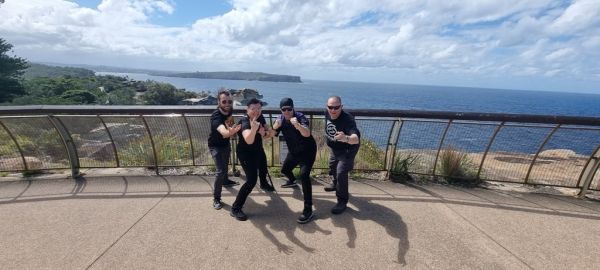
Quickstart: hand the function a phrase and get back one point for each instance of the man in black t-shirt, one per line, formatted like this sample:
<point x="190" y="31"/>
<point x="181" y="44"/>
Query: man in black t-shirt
<point x="251" y="154"/>
<point x="221" y="129"/>
<point x="302" y="150"/>
<point x="343" y="139"/>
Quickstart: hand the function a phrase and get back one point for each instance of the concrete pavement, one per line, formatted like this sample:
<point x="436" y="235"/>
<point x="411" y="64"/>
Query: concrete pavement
<point x="155" y="222"/>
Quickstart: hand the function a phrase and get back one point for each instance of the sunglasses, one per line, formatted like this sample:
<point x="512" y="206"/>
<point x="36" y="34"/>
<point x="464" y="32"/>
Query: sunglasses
<point x="334" y="107"/>
<point x="288" y="109"/>
<point x="226" y="101"/>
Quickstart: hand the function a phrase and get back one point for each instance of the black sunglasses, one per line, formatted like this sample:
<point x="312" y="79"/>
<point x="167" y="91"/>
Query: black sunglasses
<point x="334" y="107"/>
<point x="226" y="101"/>
<point x="287" y="109"/>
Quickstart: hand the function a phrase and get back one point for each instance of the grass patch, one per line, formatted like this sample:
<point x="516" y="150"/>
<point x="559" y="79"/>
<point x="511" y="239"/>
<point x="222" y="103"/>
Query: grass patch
<point x="454" y="166"/>
<point x="401" y="168"/>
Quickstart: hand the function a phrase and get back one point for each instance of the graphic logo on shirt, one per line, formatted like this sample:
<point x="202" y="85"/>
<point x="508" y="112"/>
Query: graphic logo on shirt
<point x="330" y="130"/>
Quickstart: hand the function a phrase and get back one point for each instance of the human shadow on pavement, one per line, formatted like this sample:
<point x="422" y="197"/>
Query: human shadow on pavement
<point x="277" y="216"/>
<point x="364" y="209"/>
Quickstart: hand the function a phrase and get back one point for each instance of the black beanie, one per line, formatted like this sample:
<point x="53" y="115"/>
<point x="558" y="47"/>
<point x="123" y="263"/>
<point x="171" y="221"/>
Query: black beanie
<point x="286" y="102"/>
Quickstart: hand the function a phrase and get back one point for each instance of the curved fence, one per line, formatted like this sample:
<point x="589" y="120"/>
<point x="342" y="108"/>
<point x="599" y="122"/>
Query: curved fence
<point x="531" y="149"/>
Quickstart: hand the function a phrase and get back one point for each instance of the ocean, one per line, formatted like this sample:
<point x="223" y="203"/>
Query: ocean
<point x="362" y="95"/>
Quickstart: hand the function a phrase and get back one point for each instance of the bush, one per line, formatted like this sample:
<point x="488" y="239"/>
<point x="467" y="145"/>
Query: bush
<point x="402" y="165"/>
<point x="454" y="167"/>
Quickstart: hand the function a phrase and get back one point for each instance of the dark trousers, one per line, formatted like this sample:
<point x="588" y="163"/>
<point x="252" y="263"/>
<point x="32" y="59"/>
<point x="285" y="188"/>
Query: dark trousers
<point x="253" y="163"/>
<point x="220" y="156"/>
<point x="341" y="162"/>
<point x="306" y="159"/>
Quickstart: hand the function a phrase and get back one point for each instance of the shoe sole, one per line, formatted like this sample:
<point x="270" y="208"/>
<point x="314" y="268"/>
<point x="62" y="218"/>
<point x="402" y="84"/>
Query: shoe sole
<point x="329" y="190"/>
<point x="217" y="208"/>
<point x="231" y="185"/>
<point x="309" y="219"/>
<point x="238" y="218"/>
<point x="290" y="186"/>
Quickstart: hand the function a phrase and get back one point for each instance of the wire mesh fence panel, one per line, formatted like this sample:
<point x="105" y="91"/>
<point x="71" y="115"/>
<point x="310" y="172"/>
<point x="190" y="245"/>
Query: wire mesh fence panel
<point x="41" y="144"/>
<point x="200" y="129"/>
<point x="419" y="140"/>
<point x="10" y="157"/>
<point x="375" y="134"/>
<point x="595" y="185"/>
<point x="132" y="141"/>
<point x="93" y="145"/>
<point x="564" y="156"/>
<point x="463" y="149"/>
<point x="512" y="151"/>
<point x="318" y="132"/>
<point x="171" y="140"/>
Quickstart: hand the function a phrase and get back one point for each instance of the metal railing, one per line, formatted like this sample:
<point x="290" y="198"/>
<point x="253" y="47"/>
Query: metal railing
<point x="531" y="149"/>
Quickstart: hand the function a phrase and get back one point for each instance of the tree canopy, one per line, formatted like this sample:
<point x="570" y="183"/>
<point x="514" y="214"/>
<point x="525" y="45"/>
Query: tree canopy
<point x="11" y="70"/>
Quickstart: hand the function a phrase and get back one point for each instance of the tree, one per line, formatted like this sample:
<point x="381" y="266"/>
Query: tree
<point x="79" y="96"/>
<point x="164" y="94"/>
<point x="11" y="70"/>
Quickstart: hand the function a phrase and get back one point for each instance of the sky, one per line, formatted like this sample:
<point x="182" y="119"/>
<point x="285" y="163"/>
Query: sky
<point x="551" y="45"/>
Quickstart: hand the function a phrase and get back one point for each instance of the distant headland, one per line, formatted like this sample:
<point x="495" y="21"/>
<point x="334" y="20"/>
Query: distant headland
<point x="222" y="75"/>
<point x="235" y="75"/>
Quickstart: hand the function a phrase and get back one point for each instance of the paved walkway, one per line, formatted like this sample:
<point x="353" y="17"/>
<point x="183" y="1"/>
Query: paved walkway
<point x="168" y="223"/>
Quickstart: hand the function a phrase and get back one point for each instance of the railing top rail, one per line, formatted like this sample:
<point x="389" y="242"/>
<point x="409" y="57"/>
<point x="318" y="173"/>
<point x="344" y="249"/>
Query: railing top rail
<point x="148" y="110"/>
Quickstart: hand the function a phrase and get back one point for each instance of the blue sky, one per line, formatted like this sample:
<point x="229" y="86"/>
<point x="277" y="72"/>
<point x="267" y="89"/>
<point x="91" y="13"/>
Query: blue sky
<point x="549" y="45"/>
<point x="185" y="12"/>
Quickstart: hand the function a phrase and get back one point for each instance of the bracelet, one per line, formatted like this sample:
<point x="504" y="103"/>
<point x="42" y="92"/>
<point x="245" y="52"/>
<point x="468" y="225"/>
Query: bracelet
<point x="347" y="139"/>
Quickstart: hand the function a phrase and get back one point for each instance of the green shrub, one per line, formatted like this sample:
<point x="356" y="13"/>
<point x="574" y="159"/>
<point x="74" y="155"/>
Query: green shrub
<point x="454" y="167"/>
<point x="402" y="166"/>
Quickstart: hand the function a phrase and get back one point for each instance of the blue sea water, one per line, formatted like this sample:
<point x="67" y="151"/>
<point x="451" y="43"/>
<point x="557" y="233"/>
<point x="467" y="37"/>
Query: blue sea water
<point x="474" y="138"/>
<point x="360" y="95"/>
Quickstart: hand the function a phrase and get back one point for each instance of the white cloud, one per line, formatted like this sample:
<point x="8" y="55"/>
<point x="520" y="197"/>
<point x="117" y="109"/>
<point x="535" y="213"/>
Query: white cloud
<point x="485" y="38"/>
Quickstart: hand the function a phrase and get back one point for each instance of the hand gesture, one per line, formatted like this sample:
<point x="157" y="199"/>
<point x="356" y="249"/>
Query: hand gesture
<point x="254" y="125"/>
<point x="340" y="136"/>
<point x="277" y="124"/>
<point x="294" y="121"/>
<point x="233" y="129"/>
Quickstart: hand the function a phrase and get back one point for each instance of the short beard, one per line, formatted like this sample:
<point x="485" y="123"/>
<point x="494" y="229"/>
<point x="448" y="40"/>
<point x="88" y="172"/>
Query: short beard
<point x="225" y="109"/>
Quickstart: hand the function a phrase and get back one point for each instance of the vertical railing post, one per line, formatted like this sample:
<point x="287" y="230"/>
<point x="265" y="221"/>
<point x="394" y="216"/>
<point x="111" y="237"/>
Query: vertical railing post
<point x="487" y="148"/>
<point x="68" y="143"/>
<point x="151" y="142"/>
<point x="272" y="142"/>
<point x="440" y="146"/>
<point x="392" y="144"/>
<point x="538" y="152"/>
<point x="112" y="141"/>
<point x="588" y="172"/>
<point x="25" y="167"/>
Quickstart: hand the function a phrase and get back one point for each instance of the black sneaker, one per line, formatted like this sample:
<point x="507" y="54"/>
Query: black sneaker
<point x="238" y="214"/>
<point x="229" y="183"/>
<point x="329" y="188"/>
<point x="217" y="204"/>
<point x="306" y="217"/>
<point x="289" y="184"/>
<point x="267" y="188"/>
<point x="338" y="208"/>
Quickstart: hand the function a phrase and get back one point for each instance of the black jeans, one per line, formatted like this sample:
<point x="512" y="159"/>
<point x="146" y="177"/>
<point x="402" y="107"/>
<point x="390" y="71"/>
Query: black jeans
<point x="306" y="159"/>
<point x="341" y="162"/>
<point x="221" y="157"/>
<point x="253" y="163"/>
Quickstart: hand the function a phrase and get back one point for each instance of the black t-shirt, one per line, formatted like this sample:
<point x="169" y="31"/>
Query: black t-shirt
<point x="257" y="144"/>
<point x="343" y="123"/>
<point x="215" y="139"/>
<point x="296" y="143"/>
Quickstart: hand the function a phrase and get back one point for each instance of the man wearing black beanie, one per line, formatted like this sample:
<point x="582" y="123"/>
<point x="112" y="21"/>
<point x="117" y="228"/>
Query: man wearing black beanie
<point x="302" y="151"/>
